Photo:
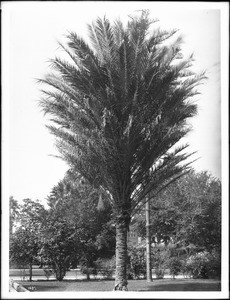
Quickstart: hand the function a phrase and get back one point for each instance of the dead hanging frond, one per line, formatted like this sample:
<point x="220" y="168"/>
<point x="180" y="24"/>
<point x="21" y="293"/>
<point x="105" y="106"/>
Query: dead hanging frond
<point x="128" y="126"/>
<point x="100" y="205"/>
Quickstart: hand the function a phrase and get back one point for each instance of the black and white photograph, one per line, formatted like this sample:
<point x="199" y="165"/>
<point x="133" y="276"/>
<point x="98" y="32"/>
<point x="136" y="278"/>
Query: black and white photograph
<point x="115" y="170"/>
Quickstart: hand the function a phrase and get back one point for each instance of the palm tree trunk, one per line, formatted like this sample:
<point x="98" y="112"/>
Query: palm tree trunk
<point x="148" y="244"/>
<point x="121" y="256"/>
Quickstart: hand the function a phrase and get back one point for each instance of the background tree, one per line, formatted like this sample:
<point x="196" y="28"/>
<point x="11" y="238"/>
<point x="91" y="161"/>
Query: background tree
<point x="24" y="248"/>
<point x="14" y="211"/>
<point x="199" y="217"/>
<point x="137" y="262"/>
<point x="118" y="109"/>
<point x="59" y="245"/>
<point x="76" y="232"/>
<point x="26" y="240"/>
<point x="187" y="213"/>
<point x="208" y="224"/>
<point x="32" y="214"/>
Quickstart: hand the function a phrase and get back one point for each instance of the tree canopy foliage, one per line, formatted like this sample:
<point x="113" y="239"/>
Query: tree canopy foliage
<point x="187" y="213"/>
<point x="25" y="239"/>
<point x="72" y="231"/>
<point x="76" y="232"/>
<point x="13" y="213"/>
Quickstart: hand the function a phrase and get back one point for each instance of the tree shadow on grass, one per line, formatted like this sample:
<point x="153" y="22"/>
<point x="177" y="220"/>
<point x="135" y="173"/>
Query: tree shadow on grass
<point x="184" y="286"/>
<point x="72" y="280"/>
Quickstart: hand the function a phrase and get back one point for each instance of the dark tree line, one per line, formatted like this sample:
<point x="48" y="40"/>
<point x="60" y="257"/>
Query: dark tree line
<point x="77" y="228"/>
<point x="74" y="230"/>
<point x="187" y="214"/>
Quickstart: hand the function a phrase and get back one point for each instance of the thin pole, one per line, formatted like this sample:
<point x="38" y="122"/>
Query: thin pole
<point x="148" y="243"/>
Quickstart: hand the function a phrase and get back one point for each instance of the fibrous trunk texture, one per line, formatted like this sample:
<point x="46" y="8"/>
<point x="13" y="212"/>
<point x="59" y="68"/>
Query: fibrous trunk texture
<point x="121" y="256"/>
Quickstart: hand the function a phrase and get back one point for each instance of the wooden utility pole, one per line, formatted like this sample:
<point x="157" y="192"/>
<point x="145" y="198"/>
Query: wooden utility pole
<point x="148" y="243"/>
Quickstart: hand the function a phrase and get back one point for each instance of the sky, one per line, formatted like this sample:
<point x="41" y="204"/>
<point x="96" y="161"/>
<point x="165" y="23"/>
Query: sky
<point x="30" y="34"/>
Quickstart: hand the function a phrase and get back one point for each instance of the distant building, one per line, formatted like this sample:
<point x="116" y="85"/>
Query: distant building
<point x="133" y="239"/>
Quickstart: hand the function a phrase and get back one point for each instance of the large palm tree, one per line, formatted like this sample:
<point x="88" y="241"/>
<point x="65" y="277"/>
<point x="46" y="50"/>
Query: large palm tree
<point x="118" y="110"/>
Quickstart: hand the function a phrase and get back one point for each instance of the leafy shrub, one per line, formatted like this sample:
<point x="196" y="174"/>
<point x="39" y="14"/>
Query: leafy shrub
<point x="198" y="265"/>
<point x="89" y="271"/>
<point x="48" y="272"/>
<point x="185" y="269"/>
<point x="106" y="267"/>
<point x="160" y="258"/>
<point x="214" y="266"/>
<point x="88" y="267"/>
<point x="160" y="273"/>
<point x="137" y="263"/>
<point x="175" y="266"/>
<point x="23" y="274"/>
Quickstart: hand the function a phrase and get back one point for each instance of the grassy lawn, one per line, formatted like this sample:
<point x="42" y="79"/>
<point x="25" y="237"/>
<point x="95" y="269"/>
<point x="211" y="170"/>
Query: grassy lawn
<point x="133" y="285"/>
